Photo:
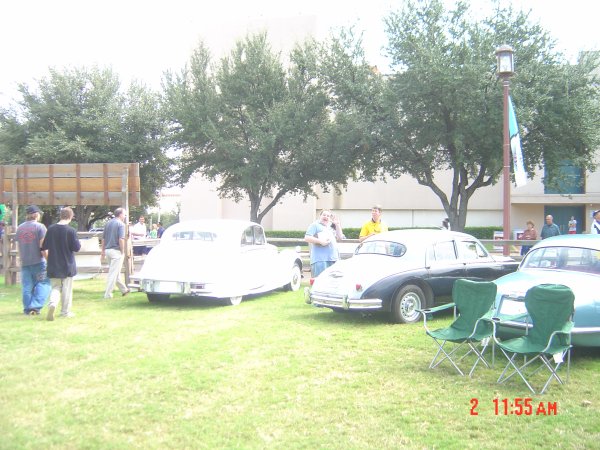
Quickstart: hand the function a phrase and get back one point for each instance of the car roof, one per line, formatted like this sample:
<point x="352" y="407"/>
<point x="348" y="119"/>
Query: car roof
<point x="422" y="235"/>
<point x="572" y="240"/>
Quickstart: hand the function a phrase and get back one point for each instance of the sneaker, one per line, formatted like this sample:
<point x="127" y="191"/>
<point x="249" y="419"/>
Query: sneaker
<point x="33" y="312"/>
<point x="126" y="292"/>
<point x="50" y="315"/>
<point x="67" y="315"/>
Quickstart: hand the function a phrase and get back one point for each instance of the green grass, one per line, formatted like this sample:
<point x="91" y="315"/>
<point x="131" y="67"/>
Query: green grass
<point x="270" y="373"/>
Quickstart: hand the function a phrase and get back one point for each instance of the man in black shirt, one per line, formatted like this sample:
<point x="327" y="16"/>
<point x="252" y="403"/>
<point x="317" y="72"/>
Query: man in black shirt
<point x="60" y="242"/>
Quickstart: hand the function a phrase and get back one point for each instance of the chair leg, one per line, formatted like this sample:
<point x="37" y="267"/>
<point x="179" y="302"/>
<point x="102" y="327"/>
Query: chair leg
<point x="447" y="355"/>
<point x="554" y="370"/>
<point x="545" y="362"/>
<point x="516" y="370"/>
<point x="479" y="357"/>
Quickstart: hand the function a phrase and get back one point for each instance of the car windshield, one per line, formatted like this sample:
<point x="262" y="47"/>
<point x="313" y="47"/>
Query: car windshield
<point x="563" y="258"/>
<point x="381" y="248"/>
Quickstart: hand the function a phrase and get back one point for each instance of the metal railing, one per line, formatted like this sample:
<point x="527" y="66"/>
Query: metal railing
<point x="10" y="264"/>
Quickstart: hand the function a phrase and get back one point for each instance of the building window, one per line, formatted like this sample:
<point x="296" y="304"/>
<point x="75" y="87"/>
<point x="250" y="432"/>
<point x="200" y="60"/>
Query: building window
<point x="567" y="179"/>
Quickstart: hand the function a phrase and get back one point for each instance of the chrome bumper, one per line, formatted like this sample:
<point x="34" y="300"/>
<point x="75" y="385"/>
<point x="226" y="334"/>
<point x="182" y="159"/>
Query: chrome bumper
<point x="173" y="287"/>
<point x="341" y="302"/>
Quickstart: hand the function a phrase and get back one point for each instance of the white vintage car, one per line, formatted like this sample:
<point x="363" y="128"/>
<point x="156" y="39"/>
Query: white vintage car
<point x="225" y="259"/>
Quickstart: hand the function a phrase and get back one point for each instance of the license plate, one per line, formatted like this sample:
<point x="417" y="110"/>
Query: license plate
<point x="167" y="286"/>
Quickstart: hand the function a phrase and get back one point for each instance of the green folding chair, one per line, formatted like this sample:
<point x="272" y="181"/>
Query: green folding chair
<point x="550" y="308"/>
<point x="472" y="303"/>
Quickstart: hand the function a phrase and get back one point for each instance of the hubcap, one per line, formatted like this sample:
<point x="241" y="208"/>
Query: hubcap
<point x="409" y="304"/>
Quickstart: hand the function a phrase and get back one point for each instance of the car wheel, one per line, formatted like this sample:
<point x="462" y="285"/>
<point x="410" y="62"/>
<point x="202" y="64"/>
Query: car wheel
<point x="234" y="301"/>
<point x="158" y="297"/>
<point x="407" y="301"/>
<point x="295" y="279"/>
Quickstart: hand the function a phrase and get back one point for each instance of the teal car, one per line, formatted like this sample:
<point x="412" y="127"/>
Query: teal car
<point x="572" y="260"/>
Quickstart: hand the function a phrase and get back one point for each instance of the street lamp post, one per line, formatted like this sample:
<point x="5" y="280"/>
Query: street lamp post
<point x="504" y="54"/>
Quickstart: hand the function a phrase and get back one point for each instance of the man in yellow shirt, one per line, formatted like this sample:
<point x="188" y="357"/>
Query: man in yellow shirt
<point x="373" y="226"/>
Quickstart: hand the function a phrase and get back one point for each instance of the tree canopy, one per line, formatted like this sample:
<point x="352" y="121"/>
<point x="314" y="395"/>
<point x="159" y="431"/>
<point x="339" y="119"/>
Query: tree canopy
<point x="81" y="116"/>
<point x="261" y="130"/>
<point x="441" y="106"/>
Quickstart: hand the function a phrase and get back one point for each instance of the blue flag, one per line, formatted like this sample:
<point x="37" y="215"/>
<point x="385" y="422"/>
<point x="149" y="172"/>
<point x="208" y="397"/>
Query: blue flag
<point x="515" y="146"/>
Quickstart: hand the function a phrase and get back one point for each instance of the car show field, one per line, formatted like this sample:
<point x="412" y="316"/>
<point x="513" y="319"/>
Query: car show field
<point x="269" y="373"/>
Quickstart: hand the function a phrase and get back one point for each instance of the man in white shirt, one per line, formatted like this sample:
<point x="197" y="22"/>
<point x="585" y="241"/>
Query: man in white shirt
<point x="139" y="231"/>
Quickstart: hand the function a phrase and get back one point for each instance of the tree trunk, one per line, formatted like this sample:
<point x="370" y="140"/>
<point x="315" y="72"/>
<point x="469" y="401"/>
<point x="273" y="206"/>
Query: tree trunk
<point x="82" y="215"/>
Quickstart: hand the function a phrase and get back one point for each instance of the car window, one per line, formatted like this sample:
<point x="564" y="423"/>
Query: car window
<point x="248" y="236"/>
<point x="564" y="258"/>
<point x="193" y="235"/>
<point x="386" y="248"/>
<point x="471" y="250"/>
<point x="444" y="251"/>
<point x="259" y="236"/>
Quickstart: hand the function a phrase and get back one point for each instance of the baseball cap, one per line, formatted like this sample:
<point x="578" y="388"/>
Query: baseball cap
<point x="31" y="209"/>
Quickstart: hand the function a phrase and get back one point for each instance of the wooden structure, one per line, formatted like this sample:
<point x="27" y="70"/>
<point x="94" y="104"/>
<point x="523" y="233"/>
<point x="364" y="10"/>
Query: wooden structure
<point x="113" y="184"/>
<point x="70" y="184"/>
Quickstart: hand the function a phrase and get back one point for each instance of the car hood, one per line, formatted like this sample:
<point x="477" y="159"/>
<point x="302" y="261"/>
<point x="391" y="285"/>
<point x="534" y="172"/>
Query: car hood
<point x="519" y="282"/>
<point x="186" y="261"/>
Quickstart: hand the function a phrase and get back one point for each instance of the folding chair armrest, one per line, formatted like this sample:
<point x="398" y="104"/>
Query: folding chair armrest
<point x="564" y="331"/>
<point x="427" y="311"/>
<point x="495" y="321"/>
<point x="509" y="317"/>
<point x="437" y="308"/>
<point x="489" y="318"/>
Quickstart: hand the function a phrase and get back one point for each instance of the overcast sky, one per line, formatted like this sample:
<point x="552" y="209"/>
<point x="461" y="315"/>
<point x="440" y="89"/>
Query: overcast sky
<point x="140" y="39"/>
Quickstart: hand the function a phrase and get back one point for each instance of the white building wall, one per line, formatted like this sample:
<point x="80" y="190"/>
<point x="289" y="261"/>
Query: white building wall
<point x="405" y="204"/>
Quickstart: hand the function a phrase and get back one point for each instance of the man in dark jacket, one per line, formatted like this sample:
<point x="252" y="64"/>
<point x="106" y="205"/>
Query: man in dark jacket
<point x="60" y="242"/>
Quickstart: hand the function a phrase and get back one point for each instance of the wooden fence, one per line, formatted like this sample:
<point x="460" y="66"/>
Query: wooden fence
<point x="88" y="258"/>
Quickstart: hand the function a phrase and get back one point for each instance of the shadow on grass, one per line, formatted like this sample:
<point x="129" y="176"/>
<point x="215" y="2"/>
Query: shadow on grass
<point x="351" y="317"/>
<point x="585" y="352"/>
<point x="375" y="317"/>
<point x="190" y="302"/>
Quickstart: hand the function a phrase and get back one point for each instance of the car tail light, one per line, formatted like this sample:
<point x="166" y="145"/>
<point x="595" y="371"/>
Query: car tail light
<point x="312" y="281"/>
<point x="358" y="287"/>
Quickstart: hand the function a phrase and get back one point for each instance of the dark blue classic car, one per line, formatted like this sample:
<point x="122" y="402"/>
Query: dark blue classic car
<point x="400" y="272"/>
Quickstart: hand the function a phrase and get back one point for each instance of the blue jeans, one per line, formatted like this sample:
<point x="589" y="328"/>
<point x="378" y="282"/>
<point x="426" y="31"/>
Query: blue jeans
<point x="319" y="266"/>
<point x="36" y="286"/>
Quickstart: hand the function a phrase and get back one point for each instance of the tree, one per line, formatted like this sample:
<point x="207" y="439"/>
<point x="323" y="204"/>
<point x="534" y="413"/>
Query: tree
<point x="260" y="130"/>
<point x="441" y="109"/>
<point x="81" y="116"/>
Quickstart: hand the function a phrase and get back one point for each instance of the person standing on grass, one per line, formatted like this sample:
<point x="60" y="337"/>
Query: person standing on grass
<point x="550" y="228"/>
<point x="34" y="281"/>
<point x="113" y="248"/>
<point x="596" y="223"/>
<point x="373" y="226"/>
<point x="138" y="233"/>
<point x="160" y="230"/>
<point x="60" y="243"/>
<point x="323" y="245"/>
<point x="154" y="231"/>
<point x="572" y="225"/>
<point x="530" y="234"/>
